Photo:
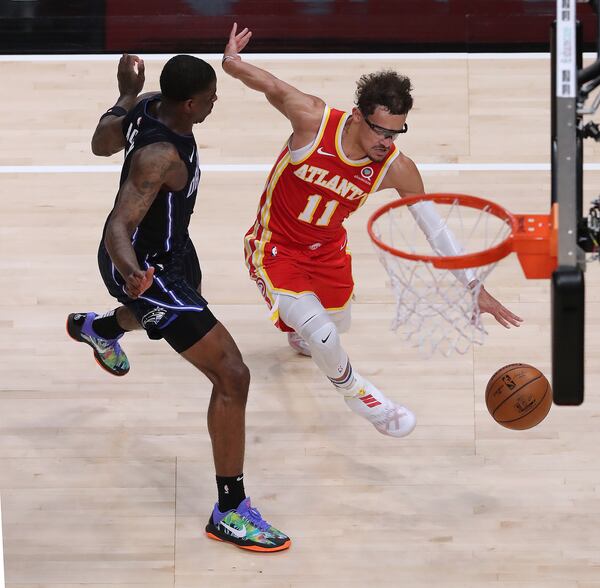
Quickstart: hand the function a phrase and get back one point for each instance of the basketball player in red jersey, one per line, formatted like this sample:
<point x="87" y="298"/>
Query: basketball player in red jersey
<point x="296" y="249"/>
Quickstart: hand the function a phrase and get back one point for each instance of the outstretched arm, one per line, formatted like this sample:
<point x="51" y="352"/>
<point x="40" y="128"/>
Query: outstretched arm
<point x="302" y="110"/>
<point x="108" y="137"/>
<point x="404" y="176"/>
<point x="153" y="166"/>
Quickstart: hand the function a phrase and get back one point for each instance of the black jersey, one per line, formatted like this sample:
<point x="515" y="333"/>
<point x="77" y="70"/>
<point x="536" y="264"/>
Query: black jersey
<point x="164" y="228"/>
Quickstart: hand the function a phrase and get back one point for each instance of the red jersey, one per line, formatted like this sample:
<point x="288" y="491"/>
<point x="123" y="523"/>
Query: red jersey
<point x="307" y="199"/>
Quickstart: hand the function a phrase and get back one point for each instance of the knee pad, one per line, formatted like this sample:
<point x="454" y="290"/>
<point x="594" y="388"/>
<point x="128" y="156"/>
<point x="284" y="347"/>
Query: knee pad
<point x="325" y="337"/>
<point x="311" y="321"/>
<point x="324" y="342"/>
<point x="298" y="311"/>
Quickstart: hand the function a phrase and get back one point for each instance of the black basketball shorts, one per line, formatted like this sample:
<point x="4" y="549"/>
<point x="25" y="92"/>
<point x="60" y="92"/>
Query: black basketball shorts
<point x="172" y="307"/>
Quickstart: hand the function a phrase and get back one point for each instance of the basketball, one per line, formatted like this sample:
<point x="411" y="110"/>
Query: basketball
<point x="518" y="396"/>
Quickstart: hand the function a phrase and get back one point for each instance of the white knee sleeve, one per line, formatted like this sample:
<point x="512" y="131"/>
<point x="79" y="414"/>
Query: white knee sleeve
<point x="324" y="343"/>
<point x="310" y="320"/>
<point x="295" y="312"/>
<point x="342" y="318"/>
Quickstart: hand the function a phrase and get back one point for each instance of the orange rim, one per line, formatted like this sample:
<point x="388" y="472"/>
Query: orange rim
<point x="475" y="259"/>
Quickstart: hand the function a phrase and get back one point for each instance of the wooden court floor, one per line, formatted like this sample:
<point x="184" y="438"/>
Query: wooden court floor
<point x="109" y="482"/>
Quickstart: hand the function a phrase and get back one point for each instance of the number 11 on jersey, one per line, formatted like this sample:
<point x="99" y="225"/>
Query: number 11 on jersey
<point x="311" y="206"/>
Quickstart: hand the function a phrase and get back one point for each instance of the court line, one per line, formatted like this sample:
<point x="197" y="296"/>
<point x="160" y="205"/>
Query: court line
<point x="292" y="57"/>
<point x="1" y="552"/>
<point x="265" y="167"/>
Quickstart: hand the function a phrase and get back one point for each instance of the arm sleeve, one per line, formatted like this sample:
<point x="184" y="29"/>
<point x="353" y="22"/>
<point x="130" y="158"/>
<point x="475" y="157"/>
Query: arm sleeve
<point x="440" y="237"/>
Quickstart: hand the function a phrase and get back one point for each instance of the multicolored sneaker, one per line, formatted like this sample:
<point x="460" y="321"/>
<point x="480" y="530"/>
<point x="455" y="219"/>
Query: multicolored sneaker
<point x="298" y="344"/>
<point x="107" y="352"/>
<point x="245" y="528"/>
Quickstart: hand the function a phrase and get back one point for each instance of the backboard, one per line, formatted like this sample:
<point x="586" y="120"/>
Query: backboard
<point x="568" y="288"/>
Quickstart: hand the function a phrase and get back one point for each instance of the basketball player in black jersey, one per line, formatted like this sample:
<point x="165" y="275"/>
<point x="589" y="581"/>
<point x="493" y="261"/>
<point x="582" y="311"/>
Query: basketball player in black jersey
<point x="148" y="263"/>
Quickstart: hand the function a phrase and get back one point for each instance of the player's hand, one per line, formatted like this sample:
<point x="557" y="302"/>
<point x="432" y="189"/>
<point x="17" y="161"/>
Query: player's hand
<point x="237" y="41"/>
<point x="130" y="75"/>
<point x="138" y="282"/>
<point x="487" y="303"/>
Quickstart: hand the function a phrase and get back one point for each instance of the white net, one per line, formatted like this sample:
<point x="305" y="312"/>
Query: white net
<point x="437" y="309"/>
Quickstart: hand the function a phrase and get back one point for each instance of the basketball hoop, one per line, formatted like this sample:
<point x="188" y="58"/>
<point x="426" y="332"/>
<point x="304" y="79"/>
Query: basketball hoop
<point x="437" y="294"/>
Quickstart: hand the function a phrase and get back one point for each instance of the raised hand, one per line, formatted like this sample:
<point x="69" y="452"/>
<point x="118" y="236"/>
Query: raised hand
<point x="237" y="42"/>
<point x="130" y="75"/>
<point x="487" y="303"/>
<point x="138" y="282"/>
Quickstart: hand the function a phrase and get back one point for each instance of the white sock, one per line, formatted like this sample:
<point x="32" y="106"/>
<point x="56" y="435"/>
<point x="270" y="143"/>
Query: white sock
<point x="347" y="382"/>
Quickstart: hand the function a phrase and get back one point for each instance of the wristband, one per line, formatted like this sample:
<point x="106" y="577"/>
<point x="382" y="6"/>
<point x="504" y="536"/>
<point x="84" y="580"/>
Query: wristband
<point x="230" y="57"/>
<point x="114" y="111"/>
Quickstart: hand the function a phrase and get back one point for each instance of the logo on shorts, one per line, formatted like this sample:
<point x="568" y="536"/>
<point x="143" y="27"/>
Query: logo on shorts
<point x="153" y="317"/>
<point x="314" y="246"/>
<point x="262" y="287"/>
<point x="274" y="252"/>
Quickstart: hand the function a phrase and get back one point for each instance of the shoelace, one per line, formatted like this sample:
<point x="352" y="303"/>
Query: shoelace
<point x="256" y="519"/>
<point x="104" y="345"/>
<point x="390" y="414"/>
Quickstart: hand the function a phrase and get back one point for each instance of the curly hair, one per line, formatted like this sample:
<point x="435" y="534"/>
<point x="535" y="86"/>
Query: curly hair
<point x="384" y="88"/>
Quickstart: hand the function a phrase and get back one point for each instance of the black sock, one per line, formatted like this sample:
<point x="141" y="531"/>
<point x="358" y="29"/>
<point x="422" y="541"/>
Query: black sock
<point x="231" y="491"/>
<point x="107" y="326"/>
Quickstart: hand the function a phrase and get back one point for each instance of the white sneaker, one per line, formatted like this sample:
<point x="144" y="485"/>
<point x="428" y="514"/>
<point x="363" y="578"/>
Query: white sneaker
<point x="397" y="421"/>
<point x="298" y="344"/>
<point x="386" y="416"/>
